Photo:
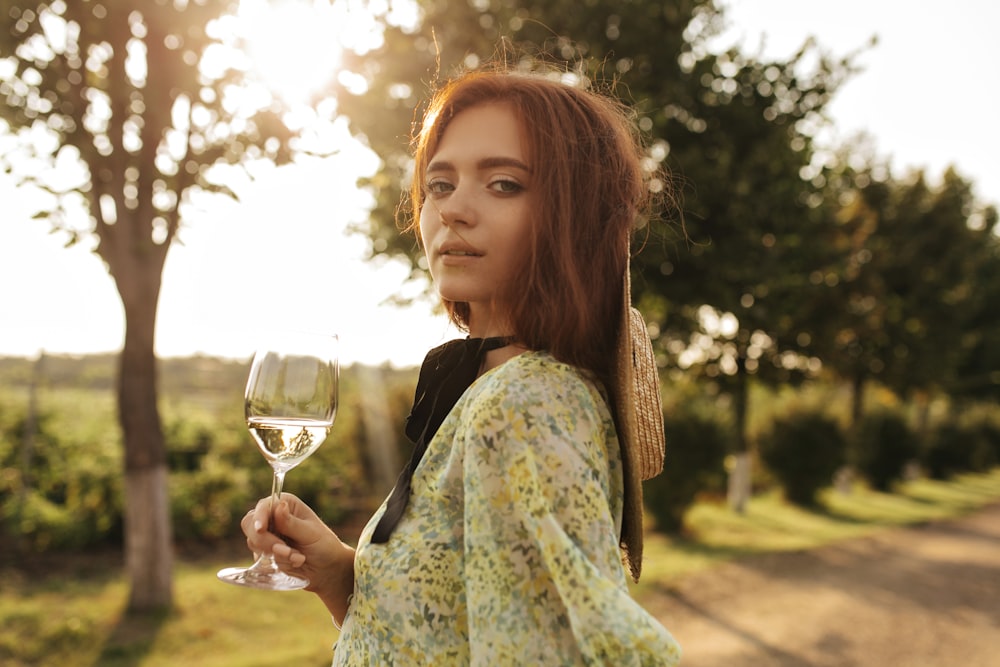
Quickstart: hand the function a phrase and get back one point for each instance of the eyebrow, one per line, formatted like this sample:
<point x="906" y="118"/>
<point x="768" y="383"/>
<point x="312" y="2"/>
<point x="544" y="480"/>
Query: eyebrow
<point x="485" y="163"/>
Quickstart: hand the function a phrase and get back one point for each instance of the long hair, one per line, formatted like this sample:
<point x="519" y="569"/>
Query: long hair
<point x="588" y="189"/>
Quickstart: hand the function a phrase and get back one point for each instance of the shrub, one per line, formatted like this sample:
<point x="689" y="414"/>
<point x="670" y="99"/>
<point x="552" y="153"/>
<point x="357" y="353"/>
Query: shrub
<point x="803" y="451"/>
<point x="884" y="446"/>
<point x="696" y="447"/>
<point x="69" y="495"/>
<point x="986" y="430"/>
<point x="958" y="446"/>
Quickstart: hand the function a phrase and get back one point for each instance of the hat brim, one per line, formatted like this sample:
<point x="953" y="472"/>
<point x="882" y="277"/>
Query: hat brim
<point x="639" y="417"/>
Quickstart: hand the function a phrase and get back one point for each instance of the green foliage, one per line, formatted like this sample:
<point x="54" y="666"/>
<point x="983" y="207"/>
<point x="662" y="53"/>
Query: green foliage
<point x="947" y="452"/>
<point x="636" y="43"/>
<point x="961" y="445"/>
<point x="913" y="301"/>
<point x="60" y="472"/>
<point x="987" y="428"/>
<point x="884" y="445"/>
<point x="210" y="475"/>
<point x="697" y="444"/>
<point x="61" y="488"/>
<point x="803" y="451"/>
<point x="977" y="375"/>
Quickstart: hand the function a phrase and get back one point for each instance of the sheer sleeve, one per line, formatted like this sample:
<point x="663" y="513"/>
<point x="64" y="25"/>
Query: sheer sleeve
<point x="544" y="577"/>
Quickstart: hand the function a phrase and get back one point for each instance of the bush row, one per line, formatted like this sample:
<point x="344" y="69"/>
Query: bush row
<point x="803" y="450"/>
<point x="61" y="471"/>
<point x="64" y="491"/>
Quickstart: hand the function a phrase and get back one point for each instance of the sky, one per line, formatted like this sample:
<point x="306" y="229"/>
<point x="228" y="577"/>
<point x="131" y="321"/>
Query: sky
<point x="927" y="96"/>
<point x="928" y="89"/>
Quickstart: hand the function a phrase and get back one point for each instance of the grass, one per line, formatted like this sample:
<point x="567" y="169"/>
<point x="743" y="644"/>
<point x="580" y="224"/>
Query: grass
<point x="71" y="617"/>
<point x="71" y="611"/>
<point x="715" y="533"/>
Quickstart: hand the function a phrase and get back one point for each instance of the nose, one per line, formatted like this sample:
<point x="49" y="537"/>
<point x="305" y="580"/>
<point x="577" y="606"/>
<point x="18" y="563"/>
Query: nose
<point x="456" y="208"/>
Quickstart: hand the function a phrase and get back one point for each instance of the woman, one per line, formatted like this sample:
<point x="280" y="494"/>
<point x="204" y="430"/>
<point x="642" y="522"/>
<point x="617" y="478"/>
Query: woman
<point x="503" y="541"/>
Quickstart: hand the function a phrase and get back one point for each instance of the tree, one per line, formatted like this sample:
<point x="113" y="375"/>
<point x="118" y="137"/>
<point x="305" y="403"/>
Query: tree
<point x="849" y="318"/>
<point x="913" y="303"/>
<point x="636" y="43"/>
<point x="122" y="93"/>
<point x="736" y="300"/>
<point x="978" y="370"/>
<point x="736" y="130"/>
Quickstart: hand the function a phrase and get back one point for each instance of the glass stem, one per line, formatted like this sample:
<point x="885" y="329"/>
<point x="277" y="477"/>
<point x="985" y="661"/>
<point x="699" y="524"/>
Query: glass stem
<point x="276" y="484"/>
<point x="265" y="564"/>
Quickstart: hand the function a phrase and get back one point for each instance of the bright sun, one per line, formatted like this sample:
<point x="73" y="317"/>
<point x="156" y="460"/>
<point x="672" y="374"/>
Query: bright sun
<point x="294" y="46"/>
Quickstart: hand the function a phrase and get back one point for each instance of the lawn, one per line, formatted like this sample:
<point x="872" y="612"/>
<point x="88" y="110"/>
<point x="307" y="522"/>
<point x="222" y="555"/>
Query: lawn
<point x="69" y="610"/>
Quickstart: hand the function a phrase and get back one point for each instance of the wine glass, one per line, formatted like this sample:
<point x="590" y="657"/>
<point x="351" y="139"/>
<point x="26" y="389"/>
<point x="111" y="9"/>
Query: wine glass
<point x="290" y="404"/>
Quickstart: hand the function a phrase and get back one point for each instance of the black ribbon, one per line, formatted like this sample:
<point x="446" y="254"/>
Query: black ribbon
<point x="446" y="373"/>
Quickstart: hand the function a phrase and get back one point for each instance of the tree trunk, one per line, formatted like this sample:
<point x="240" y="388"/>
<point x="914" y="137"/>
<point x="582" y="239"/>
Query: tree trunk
<point x="28" y="454"/>
<point x="739" y="474"/>
<point x="379" y="449"/>
<point x="148" y="542"/>
<point x="843" y="480"/>
<point x="857" y="399"/>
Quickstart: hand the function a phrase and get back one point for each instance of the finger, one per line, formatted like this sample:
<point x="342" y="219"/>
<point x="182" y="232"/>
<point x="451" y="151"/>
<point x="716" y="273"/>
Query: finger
<point x="302" y="529"/>
<point x="296" y="507"/>
<point x="254" y="521"/>
<point x="254" y="525"/>
<point x="262" y="542"/>
<point x="252" y="547"/>
<point x="246" y="523"/>
<point x="261" y="516"/>
<point x="286" y="557"/>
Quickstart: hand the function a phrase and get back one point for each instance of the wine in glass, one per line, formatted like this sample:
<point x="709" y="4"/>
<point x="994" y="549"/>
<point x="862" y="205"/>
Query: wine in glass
<point x="290" y="403"/>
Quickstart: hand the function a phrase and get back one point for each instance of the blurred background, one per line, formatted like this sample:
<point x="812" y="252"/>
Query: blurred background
<point x="180" y="175"/>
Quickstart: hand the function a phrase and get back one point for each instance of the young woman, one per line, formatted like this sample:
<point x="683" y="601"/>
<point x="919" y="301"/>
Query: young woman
<point x="507" y="538"/>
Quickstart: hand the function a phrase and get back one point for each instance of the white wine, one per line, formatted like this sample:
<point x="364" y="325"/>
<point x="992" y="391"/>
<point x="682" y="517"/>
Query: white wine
<point x="290" y="402"/>
<point x="286" y="441"/>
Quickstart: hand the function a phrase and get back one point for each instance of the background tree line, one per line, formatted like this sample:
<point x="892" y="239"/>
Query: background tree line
<point x="792" y="264"/>
<point x="60" y="455"/>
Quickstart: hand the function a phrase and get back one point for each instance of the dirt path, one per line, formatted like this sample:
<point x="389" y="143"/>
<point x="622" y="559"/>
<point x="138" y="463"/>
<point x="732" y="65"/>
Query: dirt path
<point x="914" y="597"/>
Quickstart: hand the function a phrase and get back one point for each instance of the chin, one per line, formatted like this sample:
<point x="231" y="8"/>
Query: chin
<point x="458" y="295"/>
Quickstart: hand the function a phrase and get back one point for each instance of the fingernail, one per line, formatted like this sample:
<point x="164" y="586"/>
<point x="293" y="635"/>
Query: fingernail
<point x="257" y="525"/>
<point x="297" y="559"/>
<point x="281" y="550"/>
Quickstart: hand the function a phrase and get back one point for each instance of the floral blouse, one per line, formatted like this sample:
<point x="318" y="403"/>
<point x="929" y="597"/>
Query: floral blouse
<point x="507" y="553"/>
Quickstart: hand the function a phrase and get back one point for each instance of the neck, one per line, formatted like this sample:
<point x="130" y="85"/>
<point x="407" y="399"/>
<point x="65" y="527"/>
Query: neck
<point x="494" y="358"/>
<point x="486" y="322"/>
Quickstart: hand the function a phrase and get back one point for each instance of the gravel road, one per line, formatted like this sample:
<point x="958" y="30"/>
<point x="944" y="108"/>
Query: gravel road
<point x="926" y="596"/>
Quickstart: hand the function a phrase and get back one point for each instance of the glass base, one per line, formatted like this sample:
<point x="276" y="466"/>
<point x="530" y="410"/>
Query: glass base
<point x="269" y="580"/>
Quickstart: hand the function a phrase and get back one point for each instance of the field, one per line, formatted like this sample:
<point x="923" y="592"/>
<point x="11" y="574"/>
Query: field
<point x="68" y="610"/>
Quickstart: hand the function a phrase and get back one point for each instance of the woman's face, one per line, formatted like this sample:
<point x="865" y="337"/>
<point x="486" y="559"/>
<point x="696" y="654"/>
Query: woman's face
<point x="474" y="221"/>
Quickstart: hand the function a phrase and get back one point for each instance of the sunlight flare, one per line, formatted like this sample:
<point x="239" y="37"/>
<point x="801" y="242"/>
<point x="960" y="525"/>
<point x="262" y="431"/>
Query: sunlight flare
<point x="295" y="47"/>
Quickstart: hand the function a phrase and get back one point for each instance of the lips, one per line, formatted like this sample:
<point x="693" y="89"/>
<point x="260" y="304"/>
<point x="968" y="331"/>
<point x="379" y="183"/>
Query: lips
<point x="459" y="253"/>
<point x="458" y="250"/>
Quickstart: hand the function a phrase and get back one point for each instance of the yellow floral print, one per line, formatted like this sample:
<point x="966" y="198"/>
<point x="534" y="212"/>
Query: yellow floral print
<point x="507" y="553"/>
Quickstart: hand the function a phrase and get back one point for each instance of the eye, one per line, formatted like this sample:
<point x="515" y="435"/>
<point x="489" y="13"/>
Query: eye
<point x="438" y="186"/>
<point x="506" y="186"/>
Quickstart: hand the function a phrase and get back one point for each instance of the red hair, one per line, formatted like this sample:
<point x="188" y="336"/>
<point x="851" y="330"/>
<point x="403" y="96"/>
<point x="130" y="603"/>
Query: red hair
<point x="588" y="188"/>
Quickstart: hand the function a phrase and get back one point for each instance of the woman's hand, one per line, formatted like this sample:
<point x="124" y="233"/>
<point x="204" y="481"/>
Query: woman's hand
<point x="304" y="546"/>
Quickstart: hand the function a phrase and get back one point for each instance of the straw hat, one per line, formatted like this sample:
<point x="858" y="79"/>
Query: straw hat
<point x="639" y="416"/>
